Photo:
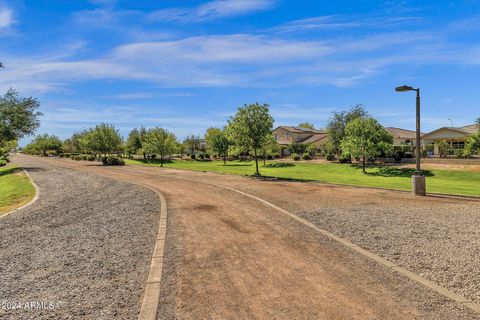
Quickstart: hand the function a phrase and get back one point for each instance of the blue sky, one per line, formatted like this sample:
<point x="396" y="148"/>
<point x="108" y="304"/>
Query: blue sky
<point x="188" y="65"/>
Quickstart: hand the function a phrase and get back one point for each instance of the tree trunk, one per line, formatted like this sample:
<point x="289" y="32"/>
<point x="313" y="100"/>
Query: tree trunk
<point x="144" y="156"/>
<point x="264" y="160"/>
<point x="224" y="160"/>
<point x="161" y="159"/>
<point x="363" y="165"/>
<point x="256" y="162"/>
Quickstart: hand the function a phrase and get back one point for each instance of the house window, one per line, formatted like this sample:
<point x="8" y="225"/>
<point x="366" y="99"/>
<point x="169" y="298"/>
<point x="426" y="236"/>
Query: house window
<point x="276" y="136"/>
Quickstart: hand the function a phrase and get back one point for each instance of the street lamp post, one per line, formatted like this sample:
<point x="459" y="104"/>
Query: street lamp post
<point x="418" y="179"/>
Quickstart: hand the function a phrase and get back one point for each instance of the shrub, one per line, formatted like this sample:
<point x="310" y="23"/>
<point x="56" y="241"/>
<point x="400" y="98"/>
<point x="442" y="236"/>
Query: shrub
<point x="112" y="161"/>
<point x="91" y="157"/>
<point x="398" y="155"/>
<point x="84" y="156"/>
<point x="3" y="162"/>
<point x="279" y="165"/>
<point x="207" y="156"/>
<point x="295" y="156"/>
<point x="61" y="155"/>
<point x="78" y="157"/>
<point x="306" y="156"/>
<point x="345" y="159"/>
<point x="193" y="157"/>
<point x="330" y="156"/>
<point x="408" y="155"/>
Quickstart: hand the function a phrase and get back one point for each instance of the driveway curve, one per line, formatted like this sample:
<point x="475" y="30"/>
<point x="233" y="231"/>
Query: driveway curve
<point x="82" y="251"/>
<point x="232" y="257"/>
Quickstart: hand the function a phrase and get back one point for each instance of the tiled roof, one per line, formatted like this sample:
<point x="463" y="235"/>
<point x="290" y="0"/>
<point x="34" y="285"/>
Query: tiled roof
<point x="299" y="129"/>
<point x="401" y="133"/>
<point x="314" y="138"/>
<point x="467" y="130"/>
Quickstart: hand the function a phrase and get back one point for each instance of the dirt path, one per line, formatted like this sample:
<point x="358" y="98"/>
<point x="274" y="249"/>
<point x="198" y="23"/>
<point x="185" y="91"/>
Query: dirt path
<point x="232" y="257"/>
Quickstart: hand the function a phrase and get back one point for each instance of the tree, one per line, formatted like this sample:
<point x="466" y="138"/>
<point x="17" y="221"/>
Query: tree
<point x="338" y="122"/>
<point x="160" y="141"/>
<point x="218" y="142"/>
<point x="134" y="142"/>
<point x="250" y="127"/>
<point x="473" y="145"/>
<point x="192" y="142"/>
<point x="45" y="142"/>
<point x="103" y="139"/>
<point x="477" y="122"/>
<point x="18" y="116"/>
<point x="365" y="139"/>
<point x="269" y="147"/>
<point x="443" y="148"/>
<point x="307" y="125"/>
<point x="298" y="147"/>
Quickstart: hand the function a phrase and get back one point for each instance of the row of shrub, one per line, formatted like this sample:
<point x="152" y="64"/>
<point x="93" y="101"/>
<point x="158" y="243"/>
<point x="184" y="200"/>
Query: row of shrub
<point x="3" y="157"/>
<point x="85" y="157"/>
<point x="111" y="161"/>
<point x="305" y="156"/>
<point x="200" y="156"/>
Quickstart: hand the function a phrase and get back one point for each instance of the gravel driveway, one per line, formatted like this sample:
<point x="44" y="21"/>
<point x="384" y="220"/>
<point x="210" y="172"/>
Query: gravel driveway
<point x="82" y="251"/>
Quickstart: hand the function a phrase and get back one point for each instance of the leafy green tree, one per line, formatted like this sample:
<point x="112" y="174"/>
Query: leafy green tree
<point x="338" y="122"/>
<point x="160" y="141"/>
<point x="298" y="147"/>
<point x="477" y="121"/>
<point x="307" y="125"/>
<point x="443" y="148"/>
<point x="269" y="147"/>
<point x="473" y="145"/>
<point x="18" y="116"/>
<point x="102" y="139"/>
<point x="218" y="142"/>
<point x="134" y="142"/>
<point x="250" y="127"/>
<point x="365" y="139"/>
<point x="44" y="143"/>
<point x="192" y="143"/>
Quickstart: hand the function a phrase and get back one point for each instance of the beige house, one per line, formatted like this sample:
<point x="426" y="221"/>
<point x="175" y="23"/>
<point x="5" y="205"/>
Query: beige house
<point x="288" y="135"/>
<point x="402" y="136"/>
<point x="455" y="136"/>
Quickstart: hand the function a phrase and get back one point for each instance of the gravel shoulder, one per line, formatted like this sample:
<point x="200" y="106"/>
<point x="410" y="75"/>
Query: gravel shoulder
<point x="229" y="256"/>
<point x="84" y="246"/>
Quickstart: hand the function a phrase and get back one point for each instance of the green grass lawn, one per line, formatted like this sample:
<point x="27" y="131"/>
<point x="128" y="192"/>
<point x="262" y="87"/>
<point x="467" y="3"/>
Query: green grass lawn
<point x="438" y="181"/>
<point x="15" y="188"/>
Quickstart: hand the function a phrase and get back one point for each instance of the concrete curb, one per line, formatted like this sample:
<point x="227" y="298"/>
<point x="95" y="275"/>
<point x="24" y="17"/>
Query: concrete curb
<point x="151" y="296"/>
<point x="35" y="197"/>
<point x="475" y="307"/>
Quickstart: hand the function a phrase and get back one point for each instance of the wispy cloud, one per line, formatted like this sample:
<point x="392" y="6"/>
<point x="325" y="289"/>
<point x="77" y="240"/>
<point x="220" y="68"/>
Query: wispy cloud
<point x="6" y="17"/>
<point x="341" y="22"/>
<point x="211" y="10"/>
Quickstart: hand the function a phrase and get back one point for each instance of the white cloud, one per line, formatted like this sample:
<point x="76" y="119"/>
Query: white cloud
<point x="238" y="60"/>
<point x="211" y="10"/>
<point x="6" y="17"/>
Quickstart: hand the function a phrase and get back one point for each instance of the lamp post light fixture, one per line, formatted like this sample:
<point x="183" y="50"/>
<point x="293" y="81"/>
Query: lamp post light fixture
<point x="418" y="179"/>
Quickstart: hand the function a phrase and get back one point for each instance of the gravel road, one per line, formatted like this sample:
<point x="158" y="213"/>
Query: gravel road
<point x="83" y="249"/>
